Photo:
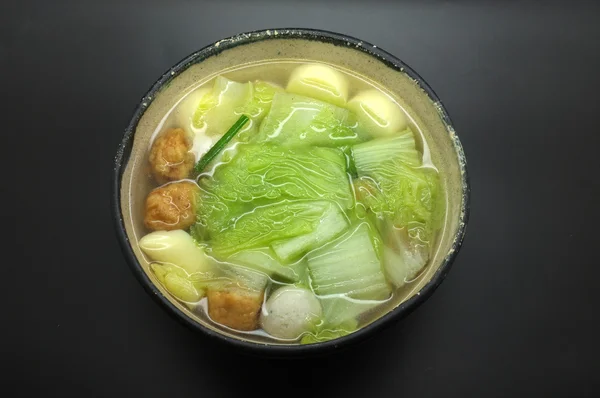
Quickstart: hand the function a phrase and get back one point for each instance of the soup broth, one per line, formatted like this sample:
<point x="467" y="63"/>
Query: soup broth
<point x="311" y="220"/>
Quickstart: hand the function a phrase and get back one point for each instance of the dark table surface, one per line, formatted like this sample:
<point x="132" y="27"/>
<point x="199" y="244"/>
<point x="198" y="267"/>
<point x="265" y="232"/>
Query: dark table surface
<point x="518" y="312"/>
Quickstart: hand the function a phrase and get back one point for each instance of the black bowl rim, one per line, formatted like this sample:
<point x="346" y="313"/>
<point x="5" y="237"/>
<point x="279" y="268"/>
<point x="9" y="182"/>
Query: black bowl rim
<point x="124" y="151"/>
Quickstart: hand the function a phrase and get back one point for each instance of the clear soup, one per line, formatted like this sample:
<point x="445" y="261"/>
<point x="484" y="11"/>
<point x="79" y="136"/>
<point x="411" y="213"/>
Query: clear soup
<point x="292" y="201"/>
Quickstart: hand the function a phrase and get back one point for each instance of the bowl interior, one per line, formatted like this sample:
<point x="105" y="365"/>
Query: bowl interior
<point x="239" y="57"/>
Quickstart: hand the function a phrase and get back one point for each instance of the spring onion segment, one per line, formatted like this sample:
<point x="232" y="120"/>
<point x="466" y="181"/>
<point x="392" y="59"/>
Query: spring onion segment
<point x="218" y="147"/>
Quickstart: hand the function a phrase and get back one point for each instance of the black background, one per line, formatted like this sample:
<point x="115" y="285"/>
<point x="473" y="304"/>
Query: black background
<point x="517" y="313"/>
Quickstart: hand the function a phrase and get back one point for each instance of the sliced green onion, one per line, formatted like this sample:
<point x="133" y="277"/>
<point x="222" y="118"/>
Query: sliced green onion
<point x="218" y="147"/>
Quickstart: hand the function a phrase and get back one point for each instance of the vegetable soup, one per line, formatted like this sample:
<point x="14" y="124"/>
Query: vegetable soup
<point x="293" y="201"/>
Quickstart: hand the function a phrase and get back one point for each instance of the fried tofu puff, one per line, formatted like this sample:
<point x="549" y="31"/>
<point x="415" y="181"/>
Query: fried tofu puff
<point x="172" y="206"/>
<point x="170" y="157"/>
<point x="236" y="308"/>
